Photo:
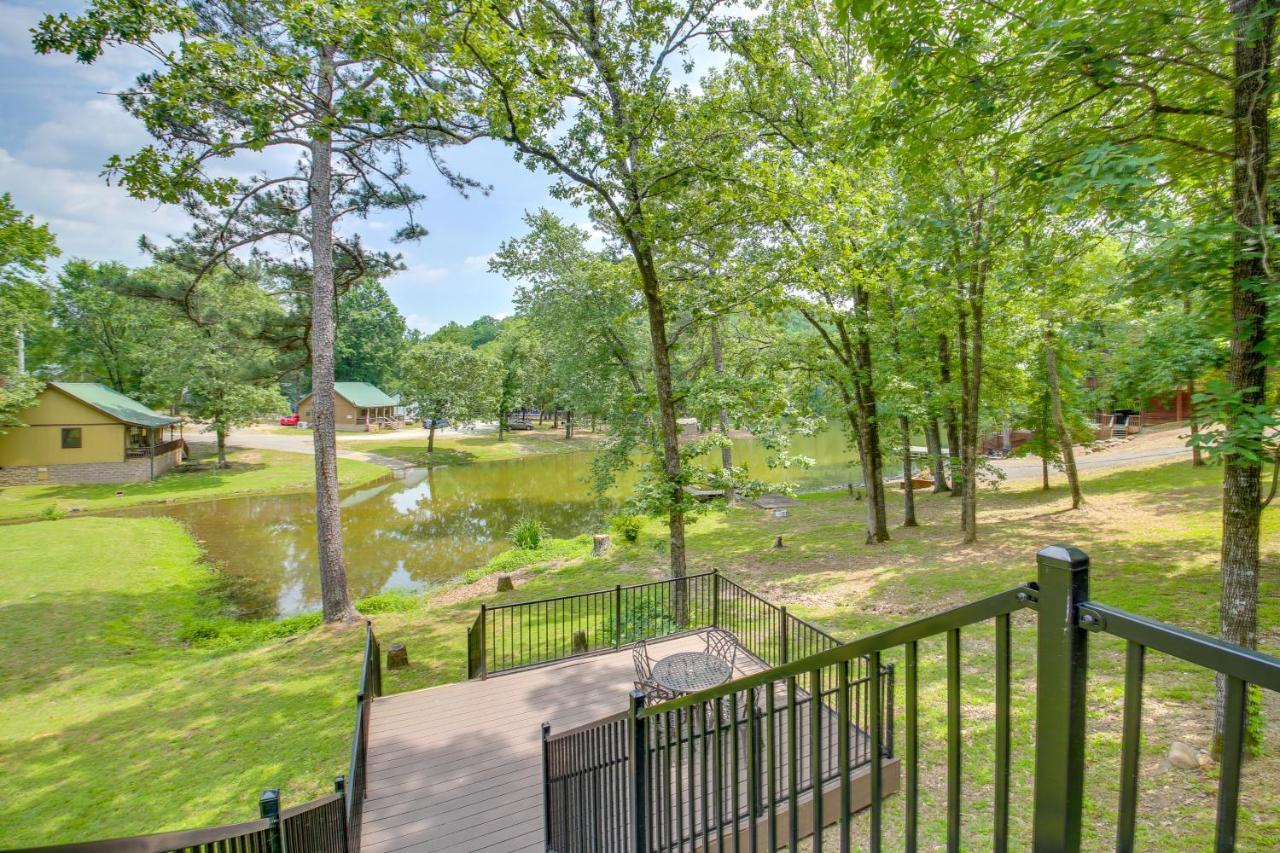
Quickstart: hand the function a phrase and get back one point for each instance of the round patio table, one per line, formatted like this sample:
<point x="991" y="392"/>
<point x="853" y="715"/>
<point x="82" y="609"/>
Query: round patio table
<point x="689" y="672"/>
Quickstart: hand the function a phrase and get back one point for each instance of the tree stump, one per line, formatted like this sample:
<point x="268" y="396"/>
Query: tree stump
<point x="777" y="543"/>
<point x="579" y="642"/>
<point x="397" y="656"/>
<point x="600" y="543"/>
<point x="505" y="584"/>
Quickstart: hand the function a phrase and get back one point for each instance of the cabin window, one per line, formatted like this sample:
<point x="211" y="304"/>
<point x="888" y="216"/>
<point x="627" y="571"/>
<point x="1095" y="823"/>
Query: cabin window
<point x="70" y="438"/>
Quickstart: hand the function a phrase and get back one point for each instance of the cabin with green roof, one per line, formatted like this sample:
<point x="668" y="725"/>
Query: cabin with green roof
<point x="357" y="406"/>
<point x="86" y="432"/>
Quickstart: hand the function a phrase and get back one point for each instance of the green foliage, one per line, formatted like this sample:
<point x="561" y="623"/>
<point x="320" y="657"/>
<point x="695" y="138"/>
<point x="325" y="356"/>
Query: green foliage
<point x="17" y="393"/>
<point x="371" y="337"/>
<point x="448" y="381"/>
<point x="391" y="601"/>
<point x="627" y="526"/>
<point x="520" y="558"/>
<point x="53" y="512"/>
<point x="645" y="619"/>
<point x="527" y="533"/>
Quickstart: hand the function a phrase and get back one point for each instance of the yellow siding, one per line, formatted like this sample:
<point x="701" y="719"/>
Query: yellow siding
<point x="40" y="443"/>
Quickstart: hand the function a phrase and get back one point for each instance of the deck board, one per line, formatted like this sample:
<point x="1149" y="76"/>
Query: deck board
<point x="459" y="767"/>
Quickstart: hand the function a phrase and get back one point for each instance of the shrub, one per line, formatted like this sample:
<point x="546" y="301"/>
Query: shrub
<point x="527" y="533"/>
<point x="627" y="526"/>
<point x="392" y="601"/>
<point x="53" y="512"/>
<point x="643" y="620"/>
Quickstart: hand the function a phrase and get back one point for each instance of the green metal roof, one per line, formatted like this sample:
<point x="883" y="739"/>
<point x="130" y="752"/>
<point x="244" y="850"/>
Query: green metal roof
<point x="113" y="403"/>
<point x="362" y="395"/>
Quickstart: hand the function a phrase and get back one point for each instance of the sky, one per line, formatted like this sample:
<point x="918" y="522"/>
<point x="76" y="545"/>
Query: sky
<point x="58" y="126"/>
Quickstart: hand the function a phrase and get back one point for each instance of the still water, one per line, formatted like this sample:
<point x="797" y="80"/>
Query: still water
<point x="423" y="527"/>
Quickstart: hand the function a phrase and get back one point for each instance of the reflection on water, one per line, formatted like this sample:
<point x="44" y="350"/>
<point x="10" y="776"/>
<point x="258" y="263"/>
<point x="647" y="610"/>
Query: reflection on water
<point x="427" y="526"/>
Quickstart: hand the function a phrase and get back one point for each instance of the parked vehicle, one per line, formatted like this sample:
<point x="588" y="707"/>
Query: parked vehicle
<point x="519" y="423"/>
<point x="289" y="420"/>
<point x="438" y="423"/>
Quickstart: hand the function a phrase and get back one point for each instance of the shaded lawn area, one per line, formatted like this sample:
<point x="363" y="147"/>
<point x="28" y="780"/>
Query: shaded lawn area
<point x="251" y="472"/>
<point x="460" y="449"/>
<point x="110" y="726"/>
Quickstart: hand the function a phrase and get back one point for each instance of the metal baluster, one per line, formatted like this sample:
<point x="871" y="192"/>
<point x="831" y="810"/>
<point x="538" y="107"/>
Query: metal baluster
<point x="1233" y="726"/>
<point x="842" y="754"/>
<point x="1001" y="806"/>
<point x="953" y="740"/>
<point x="815" y="755"/>
<point x="873" y="728"/>
<point x="1130" y="746"/>
<point x="793" y="767"/>
<point x="753" y="771"/>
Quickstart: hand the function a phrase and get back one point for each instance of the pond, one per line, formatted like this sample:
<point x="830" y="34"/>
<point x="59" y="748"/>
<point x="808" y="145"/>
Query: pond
<point x="425" y="526"/>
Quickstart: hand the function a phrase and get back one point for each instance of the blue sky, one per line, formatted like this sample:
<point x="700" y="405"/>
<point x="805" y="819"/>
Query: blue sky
<point x="57" y="128"/>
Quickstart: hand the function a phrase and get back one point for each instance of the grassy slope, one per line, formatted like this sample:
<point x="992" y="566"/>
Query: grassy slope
<point x="251" y="472"/>
<point x="277" y="714"/>
<point x="456" y="449"/>
<point x="108" y="726"/>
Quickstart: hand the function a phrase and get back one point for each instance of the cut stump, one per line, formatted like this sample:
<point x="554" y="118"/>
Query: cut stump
<point x="505" y="584"/>
<point x="397" y="656"/>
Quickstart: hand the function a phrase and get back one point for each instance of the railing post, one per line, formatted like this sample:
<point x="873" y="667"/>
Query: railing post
<point x="715" y="598"/>
<point x="1061" y="668"/>
<point x="782" y="636"/>
<point x="639" y="775"/>
<point x="617" y="616"/>
<point x="546" y="787"/>
<point x="484" y="643"/>
<point x="340" y="788"/>
<point x="269" y="807"/>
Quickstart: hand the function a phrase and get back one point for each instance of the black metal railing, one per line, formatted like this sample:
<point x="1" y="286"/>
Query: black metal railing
<point x="751" y="760"/>
<point x="529" y="633"/>
<point x="328" y="824"/>
<point x="154" y="449"/>
<point x="370" y="688"/>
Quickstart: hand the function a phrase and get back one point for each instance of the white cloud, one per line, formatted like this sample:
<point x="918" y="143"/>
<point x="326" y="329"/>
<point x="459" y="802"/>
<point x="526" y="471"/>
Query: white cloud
<point x="478" y="263"/>
<point x="422" y="274"/>
<point x="423" y="324"/>
<point x="89" y="218"/>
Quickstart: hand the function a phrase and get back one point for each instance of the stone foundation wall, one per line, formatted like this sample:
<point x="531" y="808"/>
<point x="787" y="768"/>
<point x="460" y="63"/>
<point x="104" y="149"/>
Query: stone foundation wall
<point x="128" y="471"/>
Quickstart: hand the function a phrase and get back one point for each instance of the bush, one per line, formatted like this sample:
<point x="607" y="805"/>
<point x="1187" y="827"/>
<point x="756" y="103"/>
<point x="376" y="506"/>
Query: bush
<point x="643" y="620"/>
<point x="392" y="601"/>
<point x="527" y="534"/>
<point x="53" y="512"/>
<point x="627" y="526"/>
<point x="226" y="632"/>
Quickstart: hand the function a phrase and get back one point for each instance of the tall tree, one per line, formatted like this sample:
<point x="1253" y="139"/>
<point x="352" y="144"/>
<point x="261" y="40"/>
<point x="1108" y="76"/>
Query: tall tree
<point x="371" y="336"/>
<point x="447" y="381"/>
<point x="25" y="248"/>
<point x="346" y="85"/>
<point x="585" y="90"/>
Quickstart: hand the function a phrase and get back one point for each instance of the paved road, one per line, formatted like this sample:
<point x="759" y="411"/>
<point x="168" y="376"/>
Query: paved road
<point x="301" y="443"/>
<point x="1118" y="457"/>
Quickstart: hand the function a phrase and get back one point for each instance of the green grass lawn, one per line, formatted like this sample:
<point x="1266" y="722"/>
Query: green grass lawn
<point x="251" y="472"/>
<point x="458" y="449"/>
<point x="110" y="725"/>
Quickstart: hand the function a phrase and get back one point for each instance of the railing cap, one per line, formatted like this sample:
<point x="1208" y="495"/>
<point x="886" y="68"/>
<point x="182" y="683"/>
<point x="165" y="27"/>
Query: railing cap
<point x="269" y="803"/>
<point x="1060" y="556"/>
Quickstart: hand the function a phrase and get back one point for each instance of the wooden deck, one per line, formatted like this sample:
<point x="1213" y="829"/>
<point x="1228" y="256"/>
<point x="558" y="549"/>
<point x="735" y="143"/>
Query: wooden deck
<point x="459" y="767"/>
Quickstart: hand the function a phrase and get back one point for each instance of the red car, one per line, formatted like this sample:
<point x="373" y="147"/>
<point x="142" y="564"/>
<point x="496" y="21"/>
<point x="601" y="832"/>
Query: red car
<point x="289" y="420"/>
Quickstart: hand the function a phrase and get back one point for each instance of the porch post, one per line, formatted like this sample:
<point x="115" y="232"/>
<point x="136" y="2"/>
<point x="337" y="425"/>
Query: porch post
<point x="1062" y="663"/>
<point x="639" y="775"/>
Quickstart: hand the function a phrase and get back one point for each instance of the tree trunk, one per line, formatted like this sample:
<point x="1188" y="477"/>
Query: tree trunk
<point x="1059" y="420"/>
<point x="933" y="438"/>
<point x="953" y="428"/>
<point x="431" y="437"/>
<point x="333" y="573"/>
<point x="908" y="487"/>
<point x="1197" y="457"/>
<point x="1246" y="366"/>
<point x="502" y="424"/>
<point x="568" y="424"/>
<point x="221" y="432"/>
<point x="666" y="420"/>
<point x="1044" y="473"/>
<point x="726" y="452"/>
